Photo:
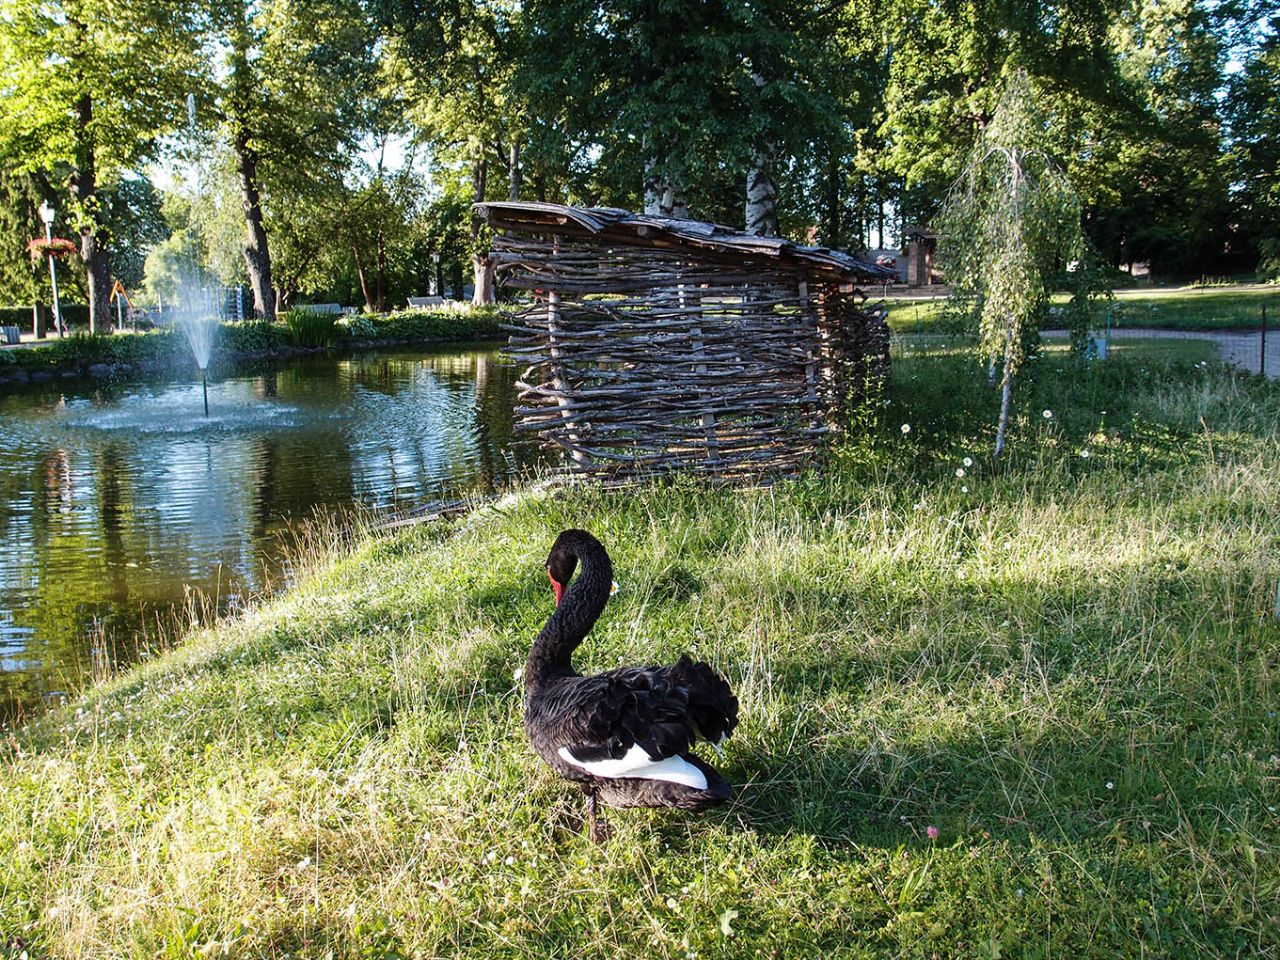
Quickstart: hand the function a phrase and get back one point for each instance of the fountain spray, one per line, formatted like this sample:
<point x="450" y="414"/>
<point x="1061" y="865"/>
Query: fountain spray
<point x="197" y="313"/>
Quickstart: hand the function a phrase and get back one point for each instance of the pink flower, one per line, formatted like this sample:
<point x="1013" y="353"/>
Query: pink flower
<point x="932" y="831"/>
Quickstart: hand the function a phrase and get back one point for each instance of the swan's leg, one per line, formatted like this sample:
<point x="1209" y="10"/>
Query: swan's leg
<point x="597" y="830"/>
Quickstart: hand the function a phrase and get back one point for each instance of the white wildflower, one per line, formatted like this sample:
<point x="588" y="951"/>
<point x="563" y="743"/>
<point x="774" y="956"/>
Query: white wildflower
<point x="1048" y="414"/>
<point x="968" y="461"/>
<point x="959" y="471"/>
<point x="906" y="428"/>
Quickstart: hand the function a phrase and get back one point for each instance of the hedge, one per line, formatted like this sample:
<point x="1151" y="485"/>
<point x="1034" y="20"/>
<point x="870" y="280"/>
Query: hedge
<point x="251" y="337"/>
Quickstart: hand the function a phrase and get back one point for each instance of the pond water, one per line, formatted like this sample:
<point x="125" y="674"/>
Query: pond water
<point x="117" y="499"/>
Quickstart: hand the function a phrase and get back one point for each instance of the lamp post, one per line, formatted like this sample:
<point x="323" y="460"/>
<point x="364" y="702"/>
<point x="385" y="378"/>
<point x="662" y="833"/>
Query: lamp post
<point x="47" y="213"/>
<point x="435" y="258"/>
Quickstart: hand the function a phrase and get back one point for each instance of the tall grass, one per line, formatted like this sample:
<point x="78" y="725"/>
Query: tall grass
<point x="310" y="329"/>
<point x="1066" y="665"/>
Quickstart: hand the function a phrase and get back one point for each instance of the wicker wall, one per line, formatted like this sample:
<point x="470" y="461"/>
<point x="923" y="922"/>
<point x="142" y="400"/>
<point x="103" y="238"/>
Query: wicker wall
<point x="644" y="360"/>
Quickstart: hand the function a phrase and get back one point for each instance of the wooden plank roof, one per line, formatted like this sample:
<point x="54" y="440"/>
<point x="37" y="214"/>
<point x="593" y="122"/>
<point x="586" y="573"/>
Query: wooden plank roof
<point x="612" y="225"/>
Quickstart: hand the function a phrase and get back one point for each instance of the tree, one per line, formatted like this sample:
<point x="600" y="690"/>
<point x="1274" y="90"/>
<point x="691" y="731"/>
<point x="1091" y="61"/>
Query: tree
<point x="89" y="87"/>
<point x="1253" y="107"/>
<point x="291" y="101"/>
<point x="455" y="59"/>
<point x="21" y="281"/>
<point x="1011" y="217"/>
<point x="133" y="211"/>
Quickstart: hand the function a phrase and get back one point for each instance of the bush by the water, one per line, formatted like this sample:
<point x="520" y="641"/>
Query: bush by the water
<point x="1026" y="711"/>
<point x="478" y="323"/>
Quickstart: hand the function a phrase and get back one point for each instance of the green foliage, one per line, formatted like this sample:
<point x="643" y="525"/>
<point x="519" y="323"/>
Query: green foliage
<point x="90" y="88"/>
<point x="74" y="314"/>
<point x="1269" y="259"/>
<point x="475" y="324"/>
<point x="1253" y="109"/>
<point x="252" y="336"/>
<point x="300" y="328"/>
<point x="1089" y="286"/>
<point x="1011" y="218"/>
<point x="310" y="329"/>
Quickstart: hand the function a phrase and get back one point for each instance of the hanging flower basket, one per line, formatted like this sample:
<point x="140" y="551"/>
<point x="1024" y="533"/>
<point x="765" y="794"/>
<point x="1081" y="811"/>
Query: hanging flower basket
<point x="40" y="248"/>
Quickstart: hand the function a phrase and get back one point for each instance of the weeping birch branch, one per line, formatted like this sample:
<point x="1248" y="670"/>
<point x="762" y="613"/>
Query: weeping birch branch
<point x="1009" y="219"/>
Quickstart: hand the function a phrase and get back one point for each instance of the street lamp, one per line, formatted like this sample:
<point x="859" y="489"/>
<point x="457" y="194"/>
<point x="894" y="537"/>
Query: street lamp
<point x="435" y="258"/>
<point x="47" y="213"/>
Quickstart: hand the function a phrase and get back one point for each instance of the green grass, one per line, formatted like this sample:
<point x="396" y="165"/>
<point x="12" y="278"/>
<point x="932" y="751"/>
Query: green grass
<point x="1068" y="665"/>
<point x="1210" y="308"/>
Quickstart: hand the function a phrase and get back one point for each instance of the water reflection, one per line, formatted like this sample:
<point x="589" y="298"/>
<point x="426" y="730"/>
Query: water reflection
<point x="115" y="499"/>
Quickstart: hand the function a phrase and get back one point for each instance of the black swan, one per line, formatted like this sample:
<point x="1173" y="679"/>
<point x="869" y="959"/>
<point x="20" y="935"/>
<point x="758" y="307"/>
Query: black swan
<point x="624" y="735"/>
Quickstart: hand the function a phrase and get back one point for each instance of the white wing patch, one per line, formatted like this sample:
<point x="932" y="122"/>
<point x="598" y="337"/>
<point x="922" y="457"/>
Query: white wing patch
<point x="640" y="765"/>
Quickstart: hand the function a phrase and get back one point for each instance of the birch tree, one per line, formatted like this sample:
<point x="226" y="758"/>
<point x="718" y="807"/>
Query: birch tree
<point x="1008" y="220"/>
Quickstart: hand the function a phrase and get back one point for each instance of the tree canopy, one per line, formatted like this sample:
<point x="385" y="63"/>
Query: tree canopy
<point x="837" y="122"/>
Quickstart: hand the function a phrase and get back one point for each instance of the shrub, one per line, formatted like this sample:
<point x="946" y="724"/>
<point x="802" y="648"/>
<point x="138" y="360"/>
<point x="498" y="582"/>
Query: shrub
<point x="308" y="329"/>
<point x="358" y="327"/>
<point x="253" y="336"/>
<point x="475" y="324"/>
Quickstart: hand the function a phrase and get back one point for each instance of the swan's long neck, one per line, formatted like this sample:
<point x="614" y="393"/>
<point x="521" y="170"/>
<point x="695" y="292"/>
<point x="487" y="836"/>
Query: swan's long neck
<point x="573" y="619"/>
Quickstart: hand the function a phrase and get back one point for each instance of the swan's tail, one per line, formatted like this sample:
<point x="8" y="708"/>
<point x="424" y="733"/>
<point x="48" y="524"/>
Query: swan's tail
<point x="712" y="712"/>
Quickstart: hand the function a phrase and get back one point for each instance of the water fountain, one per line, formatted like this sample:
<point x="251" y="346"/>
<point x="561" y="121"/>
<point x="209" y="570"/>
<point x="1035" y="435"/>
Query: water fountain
<point x="198" y="320"/>
<point x="197" y="314"/>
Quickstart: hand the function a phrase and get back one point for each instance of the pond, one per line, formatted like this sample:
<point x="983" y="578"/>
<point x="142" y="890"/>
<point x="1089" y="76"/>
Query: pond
<point x="117" y="500"/>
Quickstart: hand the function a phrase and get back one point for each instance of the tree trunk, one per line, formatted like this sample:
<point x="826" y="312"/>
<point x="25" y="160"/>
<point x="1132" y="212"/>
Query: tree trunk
<point x="762" y="191"/>
<point x="517" y="174"/>
<point x="481" y="265"/>
<point x="364" y="280"/>
<point x="94" y="253"/>
<point x="652" y="189"/>
<point x="673" y="202"/>
<point x="831" y="228"/>
<point x="380" y="261"/>
<point x="762" y="196"/>
<point x="257" y="255"/>
<point x="1006" y="390"/>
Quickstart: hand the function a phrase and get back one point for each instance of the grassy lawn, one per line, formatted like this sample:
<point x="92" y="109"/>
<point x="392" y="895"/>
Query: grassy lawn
<point x="1181" y="308"/>
<point x="1067" y="665"/>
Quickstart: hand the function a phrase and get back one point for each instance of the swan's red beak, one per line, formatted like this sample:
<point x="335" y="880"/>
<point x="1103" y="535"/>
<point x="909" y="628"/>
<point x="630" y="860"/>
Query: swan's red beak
<point x="556" y="586"/>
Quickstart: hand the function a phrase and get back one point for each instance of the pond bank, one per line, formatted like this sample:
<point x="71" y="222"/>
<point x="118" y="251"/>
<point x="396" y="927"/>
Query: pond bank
<point x="137" y="354"/>
<point x="1032" y="705"/>
<point x="120" y="499"/>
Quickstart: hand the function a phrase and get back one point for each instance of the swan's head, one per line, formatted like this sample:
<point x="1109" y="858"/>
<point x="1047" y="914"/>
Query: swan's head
<point x="561" y="563"/>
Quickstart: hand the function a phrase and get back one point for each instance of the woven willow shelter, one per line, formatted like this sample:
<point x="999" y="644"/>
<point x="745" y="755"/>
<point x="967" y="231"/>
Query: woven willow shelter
<point x="657" y="345"/>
